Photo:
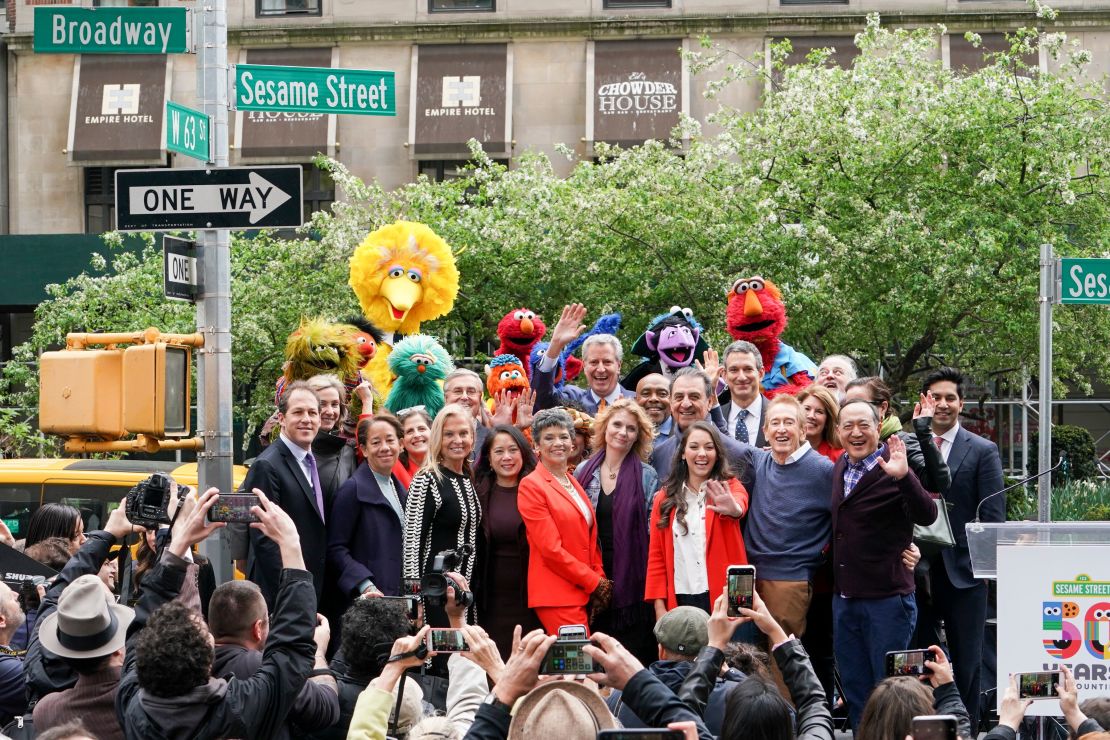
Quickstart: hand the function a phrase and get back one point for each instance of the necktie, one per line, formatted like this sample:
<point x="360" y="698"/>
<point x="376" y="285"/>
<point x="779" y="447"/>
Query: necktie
<point x="741" y="431"/>
<point x="310" y="461"/>
<point x="601" y="405"/>
<point x="939" y="442"/>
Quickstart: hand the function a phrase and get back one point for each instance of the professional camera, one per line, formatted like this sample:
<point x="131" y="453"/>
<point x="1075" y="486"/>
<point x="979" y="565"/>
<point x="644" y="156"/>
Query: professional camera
<point x="433" y="586"/>
<point x="148" y="503"/>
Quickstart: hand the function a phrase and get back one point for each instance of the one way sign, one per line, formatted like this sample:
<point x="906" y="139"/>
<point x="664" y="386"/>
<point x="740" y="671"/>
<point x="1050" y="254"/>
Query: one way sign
<point x="225" y="198"/>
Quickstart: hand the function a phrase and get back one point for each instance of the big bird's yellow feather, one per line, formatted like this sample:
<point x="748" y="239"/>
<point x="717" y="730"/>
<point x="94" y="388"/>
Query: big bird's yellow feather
<point x="403" y="274"/>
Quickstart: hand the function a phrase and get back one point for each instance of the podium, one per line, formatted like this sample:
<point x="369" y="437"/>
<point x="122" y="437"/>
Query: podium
<point x="1053" y="600"/>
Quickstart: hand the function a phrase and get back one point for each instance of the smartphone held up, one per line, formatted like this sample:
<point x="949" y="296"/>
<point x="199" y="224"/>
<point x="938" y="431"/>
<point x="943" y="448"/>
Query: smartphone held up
<point x="234" y="508"/>
<point x="741" y="588"/>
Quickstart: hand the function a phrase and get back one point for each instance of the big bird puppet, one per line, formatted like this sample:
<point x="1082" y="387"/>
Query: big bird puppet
<point x="403" y="274"/>
<point x="757" y="314"/>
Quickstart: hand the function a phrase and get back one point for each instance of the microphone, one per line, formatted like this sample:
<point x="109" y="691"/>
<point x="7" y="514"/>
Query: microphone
<point x="977" y="527"/>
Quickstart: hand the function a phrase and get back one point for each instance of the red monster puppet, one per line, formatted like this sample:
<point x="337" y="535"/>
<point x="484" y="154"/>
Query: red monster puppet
<point x="519" y="331"/>
<point x="756" y="314"/>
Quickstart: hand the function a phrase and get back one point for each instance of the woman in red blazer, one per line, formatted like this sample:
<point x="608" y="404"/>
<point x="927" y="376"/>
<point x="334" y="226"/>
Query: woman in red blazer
<point x="692" y="544"/>
<point x="564" y="562"/>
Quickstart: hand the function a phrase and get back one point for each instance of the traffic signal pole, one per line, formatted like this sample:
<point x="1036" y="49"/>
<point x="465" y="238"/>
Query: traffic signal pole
<point x="214" y="403"/>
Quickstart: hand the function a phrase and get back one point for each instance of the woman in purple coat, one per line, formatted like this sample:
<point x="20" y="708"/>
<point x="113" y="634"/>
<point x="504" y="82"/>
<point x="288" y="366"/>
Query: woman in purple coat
<point x="365" y="529"/>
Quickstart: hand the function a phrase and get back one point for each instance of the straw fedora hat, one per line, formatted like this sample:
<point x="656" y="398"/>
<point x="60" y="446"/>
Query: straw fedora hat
<point x="563" y="709"/>
<point x="87" y="623"/>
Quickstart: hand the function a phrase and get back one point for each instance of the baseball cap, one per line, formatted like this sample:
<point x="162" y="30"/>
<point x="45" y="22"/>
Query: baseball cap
<point x="683" y="630"/>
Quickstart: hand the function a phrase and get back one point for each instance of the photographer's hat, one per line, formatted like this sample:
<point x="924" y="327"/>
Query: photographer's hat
<point x="88" y="623"/>
<point x="683" y="630"/>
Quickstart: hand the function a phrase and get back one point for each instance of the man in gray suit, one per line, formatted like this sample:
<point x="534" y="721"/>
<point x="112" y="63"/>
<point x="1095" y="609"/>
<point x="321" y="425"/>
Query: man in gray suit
<point x="957" y="596"/>
<point x="745" y="406"/>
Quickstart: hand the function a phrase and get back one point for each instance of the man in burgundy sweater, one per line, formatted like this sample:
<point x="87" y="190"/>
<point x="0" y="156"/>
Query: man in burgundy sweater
<point x="876" y="500"/>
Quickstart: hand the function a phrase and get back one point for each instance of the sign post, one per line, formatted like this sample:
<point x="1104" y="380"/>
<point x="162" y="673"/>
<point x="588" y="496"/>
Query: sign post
<point x="314" y="90"/>
<point x="77" y="30"/>
<point x="179" y="269"/>
<point x="188" y="132"/>
<point x="1044" y="408"/>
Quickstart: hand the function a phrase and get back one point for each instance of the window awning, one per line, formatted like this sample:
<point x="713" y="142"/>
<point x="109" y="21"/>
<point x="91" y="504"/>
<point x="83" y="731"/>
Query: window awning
<point x="636" y="90"/>
<point x="117" y="109"/>
<point x="462" y="92"/>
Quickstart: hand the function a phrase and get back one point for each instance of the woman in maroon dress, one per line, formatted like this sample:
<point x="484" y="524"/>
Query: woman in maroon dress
<point x="502" y="590"/>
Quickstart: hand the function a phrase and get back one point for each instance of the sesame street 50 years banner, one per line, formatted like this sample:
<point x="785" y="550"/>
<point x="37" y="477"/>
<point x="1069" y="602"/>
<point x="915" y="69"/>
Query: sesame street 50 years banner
<point x="1054" y="609"/>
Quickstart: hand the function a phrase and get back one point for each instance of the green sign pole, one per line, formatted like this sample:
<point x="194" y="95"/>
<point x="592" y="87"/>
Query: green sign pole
<point x="314" y="90"/>
<point x="1084" y="280"/>
<point x="70" y="30"/>
<point x="187" y="132"/>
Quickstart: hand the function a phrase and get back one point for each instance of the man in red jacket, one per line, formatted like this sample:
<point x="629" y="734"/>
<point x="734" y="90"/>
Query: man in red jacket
<point x="876" y="500"/>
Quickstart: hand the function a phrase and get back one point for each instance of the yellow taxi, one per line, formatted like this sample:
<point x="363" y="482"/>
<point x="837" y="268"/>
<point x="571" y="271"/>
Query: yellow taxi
<point x="95" y="487"/>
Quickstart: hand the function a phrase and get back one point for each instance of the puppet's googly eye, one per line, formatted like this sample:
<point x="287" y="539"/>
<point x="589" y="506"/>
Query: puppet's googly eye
<point x="415" y="276"/>
<point x="396" y="272"/>
<point x="687" y="312"/>
<point x="740" y="287"/>
<point x="506" y="375"/>
<point x="674" y="308"/>
<point x="515" y="375"/>
<point x="756" y="284"/>
<point x="529" y="315"/>
<point x="518" y="315"/>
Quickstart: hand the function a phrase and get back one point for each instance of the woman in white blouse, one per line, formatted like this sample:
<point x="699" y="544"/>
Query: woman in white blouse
<point x="692" y="545"/>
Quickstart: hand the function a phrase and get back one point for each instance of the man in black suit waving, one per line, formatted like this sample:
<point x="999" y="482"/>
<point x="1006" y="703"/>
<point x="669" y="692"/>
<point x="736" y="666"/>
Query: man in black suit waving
<point x="957" y="596"/>
<point x="286" y="472"/>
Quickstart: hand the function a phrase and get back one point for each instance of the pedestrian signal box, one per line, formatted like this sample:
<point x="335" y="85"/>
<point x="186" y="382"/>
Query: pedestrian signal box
<point x="109" y="393"/>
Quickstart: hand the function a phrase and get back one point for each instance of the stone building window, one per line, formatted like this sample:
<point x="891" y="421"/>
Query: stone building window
<point x="456" y="6"/>
<point x="288" y="7"/>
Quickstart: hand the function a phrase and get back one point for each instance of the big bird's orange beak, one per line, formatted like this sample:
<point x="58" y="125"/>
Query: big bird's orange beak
<point x="752" y="306"/>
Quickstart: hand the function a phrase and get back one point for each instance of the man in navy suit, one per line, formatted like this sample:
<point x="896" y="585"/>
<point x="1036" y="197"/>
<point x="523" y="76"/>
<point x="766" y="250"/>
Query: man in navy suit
<point x="601" y="362"/>
<point x="286" y="472"/>
<point x="957" y="596"/>
<point x="745" y="406"/>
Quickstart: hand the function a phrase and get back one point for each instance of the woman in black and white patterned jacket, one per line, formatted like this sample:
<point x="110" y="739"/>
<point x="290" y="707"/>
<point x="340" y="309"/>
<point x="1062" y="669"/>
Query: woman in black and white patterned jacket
<point x="442" y="511"/>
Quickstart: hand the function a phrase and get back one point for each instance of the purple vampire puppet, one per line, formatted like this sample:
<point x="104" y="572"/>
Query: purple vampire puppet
<point x="673" y="340"/>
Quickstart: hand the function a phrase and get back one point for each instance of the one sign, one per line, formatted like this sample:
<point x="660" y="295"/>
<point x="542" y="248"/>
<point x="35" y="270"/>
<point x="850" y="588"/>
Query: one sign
<point x="228" y="198"/>
<point x="314" y="90"/>
<point x="462" y="92"/>
<point x="187" y="132"/>
<point x="179" y="268"/>
<point x="1053" y="606"/>
<point x="70" y="30"/>
<point x="1084" y="280"/>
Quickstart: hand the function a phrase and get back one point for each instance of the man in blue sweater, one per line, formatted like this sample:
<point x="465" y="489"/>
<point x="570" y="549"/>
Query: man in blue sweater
<point x="789" y="518"/>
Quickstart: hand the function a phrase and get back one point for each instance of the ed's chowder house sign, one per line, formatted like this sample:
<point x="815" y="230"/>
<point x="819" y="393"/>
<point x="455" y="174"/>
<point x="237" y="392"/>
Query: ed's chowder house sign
<point x="637" y="91"/>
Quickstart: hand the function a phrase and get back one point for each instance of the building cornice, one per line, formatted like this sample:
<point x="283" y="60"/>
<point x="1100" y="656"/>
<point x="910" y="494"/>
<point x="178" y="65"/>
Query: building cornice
<point x="314" y="33"/>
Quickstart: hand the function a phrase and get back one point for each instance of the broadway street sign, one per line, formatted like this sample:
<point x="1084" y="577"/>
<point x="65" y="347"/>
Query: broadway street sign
<point x="70" y="30"/>
<point x="187" y="132"/>
<point x="314" y="90"/>
<point x="228" y="198"/>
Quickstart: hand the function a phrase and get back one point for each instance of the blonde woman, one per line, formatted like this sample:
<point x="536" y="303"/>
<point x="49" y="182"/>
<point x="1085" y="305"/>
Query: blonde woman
<point x="442" y="511"/>
<point x="621" y="486"/>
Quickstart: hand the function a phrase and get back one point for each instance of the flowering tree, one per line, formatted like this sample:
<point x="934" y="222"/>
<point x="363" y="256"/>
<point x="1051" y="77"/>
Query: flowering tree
<point x="898" y="204"/>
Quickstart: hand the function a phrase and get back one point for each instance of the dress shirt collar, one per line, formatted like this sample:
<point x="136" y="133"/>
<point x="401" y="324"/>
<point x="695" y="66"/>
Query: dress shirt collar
<point x="797" y="454"/>
<point x="298" y="452"/>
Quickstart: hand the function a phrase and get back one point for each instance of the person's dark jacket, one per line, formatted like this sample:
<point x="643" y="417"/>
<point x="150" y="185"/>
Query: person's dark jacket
<point x="335" y="461"/>
<point x="924" y="456"/>
<point x="812" y="718"/>
<point x="946" y="700"/>
<point x="1004" y="732"/>
<point x="316" y="707"/>
<point x="360" y="507"/>
<point x="351" y="685"/>
<point x="673" y="673"/>
<point x="43" y="671"/>
<point x="871" y="528"/>
<point x="251" y="708"/>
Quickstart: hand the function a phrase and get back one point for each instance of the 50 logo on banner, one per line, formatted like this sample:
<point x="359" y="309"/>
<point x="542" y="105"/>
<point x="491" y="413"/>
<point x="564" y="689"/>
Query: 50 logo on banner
<point x="1066" y="633"/>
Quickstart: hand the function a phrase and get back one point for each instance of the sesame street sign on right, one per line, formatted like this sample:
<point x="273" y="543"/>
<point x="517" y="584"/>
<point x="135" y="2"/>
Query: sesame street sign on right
<point x="1084" y="280"/>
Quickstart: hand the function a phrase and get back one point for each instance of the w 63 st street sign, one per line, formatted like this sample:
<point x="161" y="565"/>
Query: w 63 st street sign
<point x="227" y="198"/>
<point x="187" y="132"/>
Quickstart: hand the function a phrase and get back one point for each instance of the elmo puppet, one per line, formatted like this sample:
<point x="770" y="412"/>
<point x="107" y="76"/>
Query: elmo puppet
<point x="519" y="331"/>
<point x="756" y="314"/>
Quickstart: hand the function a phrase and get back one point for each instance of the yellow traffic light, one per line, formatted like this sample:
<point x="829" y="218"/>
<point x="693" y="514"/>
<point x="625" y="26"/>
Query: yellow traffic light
<point x="79" y="393"/>
<point x="142" y="389"/>
<point x="156" y="390"/>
